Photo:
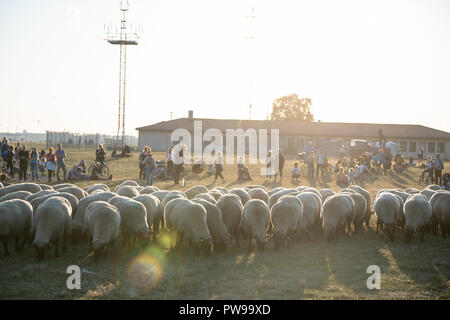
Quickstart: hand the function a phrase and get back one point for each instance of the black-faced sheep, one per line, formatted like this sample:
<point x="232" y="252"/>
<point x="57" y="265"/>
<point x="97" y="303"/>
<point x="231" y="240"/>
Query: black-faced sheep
<point x="254" y="223"/>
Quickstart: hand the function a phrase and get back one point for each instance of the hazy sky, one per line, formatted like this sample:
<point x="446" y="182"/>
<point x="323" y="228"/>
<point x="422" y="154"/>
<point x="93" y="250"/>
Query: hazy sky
<point x="359" y="61"/>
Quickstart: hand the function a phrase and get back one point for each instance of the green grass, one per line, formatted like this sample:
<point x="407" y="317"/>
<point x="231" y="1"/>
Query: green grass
<point x="312" y="269"/>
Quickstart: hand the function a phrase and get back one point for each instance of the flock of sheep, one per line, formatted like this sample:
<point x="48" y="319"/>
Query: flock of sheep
<point x="209" y="219"/>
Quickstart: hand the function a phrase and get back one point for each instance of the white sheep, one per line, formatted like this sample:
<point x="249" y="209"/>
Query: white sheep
<point x="311" y="214"/>
<point x="168" y="211"/>
<point x="159" y="221"/>
<point x="241" y="193"/>
<point x="275" y="196"/>
<point x="366" y="194"/>
<point x="387" y="207"/>
<point x="221" y="189"/>
<point x="102" y="224"/>
<point x="126" y="183"/>
<point x="192" y="192"/>
<point x="428" y="193"/>
<point x="325" y="193"/>
<point x="97" y="186"/>
<point x="51" y="224"/>
<point x="254" y="223"/>
<point x="63" y="185"/>
<point x="434" y="187"/>
<point x="259" y="193"/>
<point x="440" y="204"/>
<point x="285" y="216"/>
<point x="127" y="191"/>
<point x="411" y="190"/>
<point x="151" y="204"/>
<point x="206" y="196"/>
<point x="77" y="192"/>
<point x="15" y="221"/>
<point x="31" y="187"/>
<point x="148" y="190"/>
<point x="189" y="221"/>
<point x="216" y="194"/>
<point x="231" y="207"/>
<point x="22" y="195"/>
<point x="338" y="213"/>
<point x="45" y="186"/>
<point x="360" y="210"/>
<point x="275" y="190"/>
<point x="418" y="213"/>
<point x="40" y="194"/>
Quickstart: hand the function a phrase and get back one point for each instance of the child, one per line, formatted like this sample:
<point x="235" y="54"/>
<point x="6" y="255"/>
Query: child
<point x="296" y="171"/>
<point x="341" y="178"/>
<point x="245" y="175"/>
<point x="42" y="162"/>
<point x="4" y="180"/>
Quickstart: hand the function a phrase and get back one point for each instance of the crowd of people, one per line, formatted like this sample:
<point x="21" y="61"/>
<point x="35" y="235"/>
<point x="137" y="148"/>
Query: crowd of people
<point x="21" y="162"/>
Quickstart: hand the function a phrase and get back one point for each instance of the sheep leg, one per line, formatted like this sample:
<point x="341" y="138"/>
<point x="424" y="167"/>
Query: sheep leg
<point x="5" y="245"/>
<point x="89" y="243"/>
<point x="250" y="244"/>
<point x="57" y="247"/>
<point x="64" y="246"/>
<point x="23" y="242"/>
<point x="179" y="239"/>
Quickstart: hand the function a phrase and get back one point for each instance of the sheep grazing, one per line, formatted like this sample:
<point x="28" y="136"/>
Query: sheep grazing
<point x="134" y="222"/>
<point x="311" y="214"/>
<point x="301" y="188"/>
<point x="172" y="195"/>
<point x="411" y="190"/>
<point x="418" y="212"/>
<point x="188" y="219"/>
<point x="428" y="193"/>
<point x="35" y="203"/>
<point x="216" y="194"/>
<point x="221" y="189"/>
<point x="151" y="204"/>
<point x="45" y="187"/>
<point x="274" y="197"/>
<point x="159" y="220"/>
<point x="148" y="190"/>
<point x="36" y="195"/>
<point x="51" y="224"/>
<point x="102" y="224"/>
<point x="325" y="193"/>
<point x="338" y="212"/>
<point x="220" y="236"/>
<point x="366" y="194"/>
<point x="256" y="187"/>
<point x="168" y="211"/>
<point x="22" y="195"/>
<point x="440" y="204"/>
<point x="116" y="200"/>
<point x="360" y="210"/>
<point x="127" y="191"/>
<point x="97" y="186"/>
<point x="285" y="216"/>
<point x="192" y="192"/>
<point x="63" y="185"/>
<point x="434" y="187"/>
<point x="242" y="194"/>
<point x="254" y="223"/>
<point x="387" y="207"/>
<point x="314" y="190"/>
<point x="231" y="207"/>
<point x="259" y="193"/>
<point x="78" y="226"/>
<point x="31" y="187"/>
<point x="275" y="190"/>
<point x="77" y="192"/>
<point x="15" y="221"/>
<point x="126" y="183"/>
<point x="206" y="196"/>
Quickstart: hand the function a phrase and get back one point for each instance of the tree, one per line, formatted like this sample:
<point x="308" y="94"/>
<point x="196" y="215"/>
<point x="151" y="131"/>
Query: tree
<point x="292" y="107"/>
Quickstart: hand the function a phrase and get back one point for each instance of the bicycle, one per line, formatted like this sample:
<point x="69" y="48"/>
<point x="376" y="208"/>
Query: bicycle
<point x="104" y="167"/>
<point x="428" y="179"/>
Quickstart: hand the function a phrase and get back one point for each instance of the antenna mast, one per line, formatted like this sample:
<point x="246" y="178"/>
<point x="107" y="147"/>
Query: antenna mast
<point x="124" y="36"/>
<point x="251" y="37"/>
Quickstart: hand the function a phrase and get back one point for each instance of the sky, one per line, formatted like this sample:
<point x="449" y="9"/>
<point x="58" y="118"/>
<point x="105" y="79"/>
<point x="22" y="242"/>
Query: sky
<point x="359" y="61"/>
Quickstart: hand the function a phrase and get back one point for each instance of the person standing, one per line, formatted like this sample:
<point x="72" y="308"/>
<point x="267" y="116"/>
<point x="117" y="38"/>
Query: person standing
<point x="309" y="148"/>
<point x="9" y="157"/>
<point x="310" y="164"/>
<point x="5" y="145"/>
<point x="51" y="163"/>
<point x="218" y="163"/>
<point x="269" y="160"/>
<point x="24" y="158"/>
<point x="420" y="156"/>
<point x="149" y="164"/>
<point x="60" y="155"/>
<point x="34" y="161"/>
<point x="281" y="161"/>
<point x="42" y="162"/>
<point x="141" y="158"/>
<point x="381" y="161"/>
<point x="100" y="155"/>
<point x="240" y="168"/>
<point x="438" y="167"/>
<point x="169" y="162"/>
<point x="321" y="160"/>
<point x="178" y="165"/>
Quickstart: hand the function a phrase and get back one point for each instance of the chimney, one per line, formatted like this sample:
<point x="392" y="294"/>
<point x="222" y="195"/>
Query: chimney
<point x="191" y="115"/>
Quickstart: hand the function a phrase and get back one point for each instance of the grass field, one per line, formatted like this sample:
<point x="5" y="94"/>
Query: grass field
<point x="313" y="269"/>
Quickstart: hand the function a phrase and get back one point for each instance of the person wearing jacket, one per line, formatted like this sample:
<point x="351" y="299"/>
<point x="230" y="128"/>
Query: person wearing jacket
<point x="24" y="158"/>
<point x="149" y="164"/>
<point x="34" y="161"/>
<point x="51" y="163"/>
<point x="9" y="156"/>
<point x="438" y="167"/>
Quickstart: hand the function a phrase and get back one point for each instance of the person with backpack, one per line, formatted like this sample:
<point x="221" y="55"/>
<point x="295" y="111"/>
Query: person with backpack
<point x="149" y="164"/>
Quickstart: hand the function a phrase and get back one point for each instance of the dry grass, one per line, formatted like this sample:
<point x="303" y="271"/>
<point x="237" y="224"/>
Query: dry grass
<point x="311" y="270"/>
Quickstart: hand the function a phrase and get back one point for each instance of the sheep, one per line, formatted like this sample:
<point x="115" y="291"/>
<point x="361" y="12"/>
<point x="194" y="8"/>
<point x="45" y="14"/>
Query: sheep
<point x="411" y="190"/>
<point x="189" y="220"/>
<point x="254" y="223"/>
<point x="45" y="186"/>
<point x="116" y="200"/>
<point x="63" y="185"/>
<point x="168" y="211"/>
<point x="15" y="221"/>
<point x="31" y="187"/>
<point x="78" y="226"/>
<point x="275" y="190"/>
<point x="139" y="188"/>
<point x="314" y="190"/>
<point x="434" y="187"/>
<point x="97" y="186"/>
<point x="151" y="204"/>
<point x="360" y="210"/>
<point x="192" y="192"/>
<point x="102" y="222"/>
<point x="126" y="183"/>
<point x="387" y="207"/>
<point x="220" y="236"/>
<point x="418" y="212"/>
<point x="127" y="191"/>
<point x="338" y="212"/>
<point x="51" y="224"/>
<point x="311" y="214"/>
<point x="325" y="193"/>
<point x="256" y="187"/>
<point x="207" y="197"/>
<point x="428" y="193"/>
<point x="440" y="204"/>
<point x="134" y="222"/>
<point x="77" y="192"/>
<point x="241" y="193"/>
<point x="285" y="216"/>
<point x="259" y="193"/>
<point x="216" y="194"/>
<point x="148" y="190"/>
<point x="1" y="185"/>
<point x="301" y="188"/>
<point x="22" y="195"/>
<point x="172" y="195"/>
<point x="221" y="189"/>
<point x="274" y="197"/>
<point x="159" y="220"/>
<point x="35" y="203"/>
<point x="366" y="194"/>
<point x="40" y="194"/>
<point x="97" y="192"/>
<point x="231" y="207"/>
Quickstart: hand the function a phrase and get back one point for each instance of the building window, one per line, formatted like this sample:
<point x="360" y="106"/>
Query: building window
<point x="431" y="147"/>
<point x="412" y="146"/>
<point x="403" y="146"/>
<point x="441" y="147"/>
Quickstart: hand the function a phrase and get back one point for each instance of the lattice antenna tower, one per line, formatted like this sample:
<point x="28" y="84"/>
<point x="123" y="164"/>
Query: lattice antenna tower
<point x="250" y="37"/>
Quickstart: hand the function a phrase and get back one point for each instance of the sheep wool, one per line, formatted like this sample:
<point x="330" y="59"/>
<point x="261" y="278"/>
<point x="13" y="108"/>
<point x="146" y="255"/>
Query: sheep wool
<point x="192" y="192"/>
<point x="22" y="195"/>
<point x="338" y="212"/>
<point x="127" y="191"/>
<point x="241" y="193"/>
<point x="418" y="213"/>
<point x="255" y="221"/>
<point x="440" y="204"/>
<point x="231" y="207"/>
<point x="259" y="193"/>
<point x="387" y="207"/>
<point x="285" y="216"/>
<point x="31" y="187"/>
<point x="151" y="204"/>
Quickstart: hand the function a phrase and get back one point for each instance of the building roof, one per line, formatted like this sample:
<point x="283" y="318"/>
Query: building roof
<point x="309" y="129"/>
